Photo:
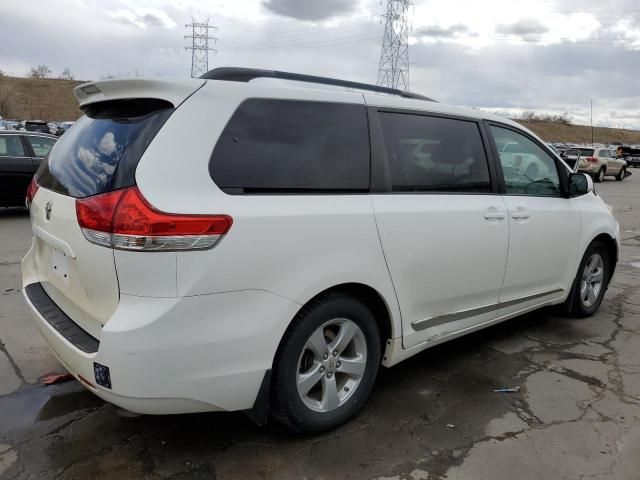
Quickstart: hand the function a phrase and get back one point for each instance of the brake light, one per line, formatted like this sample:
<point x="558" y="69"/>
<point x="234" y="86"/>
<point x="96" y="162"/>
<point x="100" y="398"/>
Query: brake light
<point x="591" y="160"/>
<point x="124" y="219"/>
<point x="31" y="190"/>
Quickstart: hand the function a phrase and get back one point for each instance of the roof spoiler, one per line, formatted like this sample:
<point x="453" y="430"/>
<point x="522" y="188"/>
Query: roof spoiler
<point x="175" y="91"/>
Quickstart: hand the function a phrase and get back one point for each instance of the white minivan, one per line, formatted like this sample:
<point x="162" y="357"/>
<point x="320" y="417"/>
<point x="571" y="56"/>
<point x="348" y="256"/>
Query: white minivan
<point x="245" y="242"/>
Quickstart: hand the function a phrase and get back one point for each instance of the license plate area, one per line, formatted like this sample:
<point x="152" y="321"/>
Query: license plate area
<point x="60" y="264"/>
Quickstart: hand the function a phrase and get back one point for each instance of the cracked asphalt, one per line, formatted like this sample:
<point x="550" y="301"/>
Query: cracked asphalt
<point x="576" y="414"/>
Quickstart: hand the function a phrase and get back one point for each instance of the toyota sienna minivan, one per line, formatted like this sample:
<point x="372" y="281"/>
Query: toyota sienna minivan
<point x="245" y="242"/>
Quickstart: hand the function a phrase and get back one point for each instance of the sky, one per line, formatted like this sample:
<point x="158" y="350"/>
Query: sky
<point x="505" y="56"/>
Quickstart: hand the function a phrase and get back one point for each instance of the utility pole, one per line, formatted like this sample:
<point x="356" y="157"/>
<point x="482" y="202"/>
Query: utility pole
<point x="393" y="69"/>
<point x="200" y="46"/>
<point x="591" y="103"/>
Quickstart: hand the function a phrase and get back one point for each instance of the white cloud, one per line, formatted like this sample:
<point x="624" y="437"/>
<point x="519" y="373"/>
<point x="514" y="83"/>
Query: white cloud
<point x="144" y="17"/>
<point x="628" y="32"/>
<point x="108" y="144"/>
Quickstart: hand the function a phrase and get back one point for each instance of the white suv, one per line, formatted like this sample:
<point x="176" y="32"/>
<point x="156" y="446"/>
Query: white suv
<point x="237" y="244"/>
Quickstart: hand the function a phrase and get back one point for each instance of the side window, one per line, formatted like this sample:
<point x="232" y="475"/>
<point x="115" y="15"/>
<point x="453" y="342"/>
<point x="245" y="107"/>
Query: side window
<point x="432" y="154"/>
<point x="527" y="168"/>
<point x="280" y="146"/>
<point x="11" y="146"/>
<point x="41" y="145"/>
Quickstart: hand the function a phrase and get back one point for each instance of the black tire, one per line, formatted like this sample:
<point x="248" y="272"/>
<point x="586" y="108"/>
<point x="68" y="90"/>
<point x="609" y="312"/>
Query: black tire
<point x="575" y="303"/>
<point x="599" y="176"/>
<point x="621" y="174"/>
<point x="286" y="405"/>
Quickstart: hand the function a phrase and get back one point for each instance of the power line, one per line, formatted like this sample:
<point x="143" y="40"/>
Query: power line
<point x="311" y="44"/>
<point x="393" y="69"/>
<point x="200" y="46"/>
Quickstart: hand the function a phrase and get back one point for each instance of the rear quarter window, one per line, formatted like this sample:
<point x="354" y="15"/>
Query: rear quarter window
<point x="289" y="146"/>
<point x="101" y="151"/>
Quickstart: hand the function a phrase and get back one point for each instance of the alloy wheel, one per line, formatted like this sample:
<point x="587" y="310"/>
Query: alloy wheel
<point x="592" y="280"/>
<point x="331" y="365"/>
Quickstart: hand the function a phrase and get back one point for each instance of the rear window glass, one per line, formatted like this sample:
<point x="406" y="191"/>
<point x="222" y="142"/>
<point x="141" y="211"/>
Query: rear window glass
<point x="101" y="151"/>
<point x="586" y="152"/>
<point x="280" y="146"/>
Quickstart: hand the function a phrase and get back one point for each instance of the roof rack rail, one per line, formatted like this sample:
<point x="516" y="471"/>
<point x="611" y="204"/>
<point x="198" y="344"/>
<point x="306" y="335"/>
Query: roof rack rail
<point x="238" y="74"/>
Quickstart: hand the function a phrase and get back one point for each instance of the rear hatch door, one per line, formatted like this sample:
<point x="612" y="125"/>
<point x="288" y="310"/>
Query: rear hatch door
<point x="98" y="154"/>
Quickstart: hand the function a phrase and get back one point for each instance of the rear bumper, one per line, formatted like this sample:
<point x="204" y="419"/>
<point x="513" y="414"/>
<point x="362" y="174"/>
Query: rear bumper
<point x="178" y="355"/>
<point x="586" y="168"/>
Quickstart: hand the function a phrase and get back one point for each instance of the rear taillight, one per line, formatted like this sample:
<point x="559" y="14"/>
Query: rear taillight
<point x="591" y="160"/>
<point x="31" y="191"/>
<point x="123" y="219"/>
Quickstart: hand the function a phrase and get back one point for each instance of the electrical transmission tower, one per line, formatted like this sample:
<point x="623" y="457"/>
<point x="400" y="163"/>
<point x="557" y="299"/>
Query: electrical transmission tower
<point x="200" y="46"/>
<point x="393" y="69"/>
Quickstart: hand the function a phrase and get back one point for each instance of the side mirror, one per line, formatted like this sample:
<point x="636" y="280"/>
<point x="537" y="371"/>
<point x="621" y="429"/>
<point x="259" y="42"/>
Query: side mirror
<point x="580" y="184"/>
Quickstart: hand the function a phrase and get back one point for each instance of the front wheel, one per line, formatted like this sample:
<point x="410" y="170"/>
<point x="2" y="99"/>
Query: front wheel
<point x="591" y="282"/>
<point x="326" y="364"/>
<point x="621" y="174"/>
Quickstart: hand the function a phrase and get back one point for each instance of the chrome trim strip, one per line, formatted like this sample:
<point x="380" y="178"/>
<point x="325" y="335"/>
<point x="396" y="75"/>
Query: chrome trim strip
<point x="472" y="312"/>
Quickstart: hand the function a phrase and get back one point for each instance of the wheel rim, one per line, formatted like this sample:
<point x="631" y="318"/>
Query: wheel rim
<point x="331" y="365"/>
<point x="592" y="280"/>
<point x="601" y="175"/>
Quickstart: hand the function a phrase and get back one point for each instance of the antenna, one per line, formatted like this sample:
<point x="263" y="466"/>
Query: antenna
<point x="200" y="46"/>
<point x="393" y="69"/>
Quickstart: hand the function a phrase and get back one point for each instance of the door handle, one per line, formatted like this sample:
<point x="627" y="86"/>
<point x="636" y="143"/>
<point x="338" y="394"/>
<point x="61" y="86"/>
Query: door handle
<point x="520" y="214"/>
<point x="492" y="213"/>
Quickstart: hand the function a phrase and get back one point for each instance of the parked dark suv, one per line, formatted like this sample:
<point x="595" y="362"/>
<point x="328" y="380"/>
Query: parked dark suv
<point x="37" y="126"/>
<point x="631" y="156"/>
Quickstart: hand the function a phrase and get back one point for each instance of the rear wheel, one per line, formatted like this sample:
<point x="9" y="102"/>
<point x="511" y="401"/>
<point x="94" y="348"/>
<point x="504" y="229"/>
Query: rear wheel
<point x="591" y="282"/>
<point x="326" y="364"/>
<point x="621" y="174"/>
<point x="599" y="176"/>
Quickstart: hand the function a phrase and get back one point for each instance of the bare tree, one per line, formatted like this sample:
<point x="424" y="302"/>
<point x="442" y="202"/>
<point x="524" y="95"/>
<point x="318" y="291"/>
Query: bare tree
<point x="41" y="71"/>
<point x="67" y="74"/>
<point x="108" y="76"/>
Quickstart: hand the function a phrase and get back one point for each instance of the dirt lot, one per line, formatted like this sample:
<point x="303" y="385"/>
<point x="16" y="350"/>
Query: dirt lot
<point x="576" y="416"/>
<point x="46" y="99"/>
<point x="557" y="132"/>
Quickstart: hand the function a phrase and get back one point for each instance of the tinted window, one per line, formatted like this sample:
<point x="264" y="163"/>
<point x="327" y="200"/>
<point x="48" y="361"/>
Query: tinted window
<point x="280" y="146"/>
<point x="102" y="150"/>
<point x="11" y="146"/>
<point x="434" y="154"/>
<point x="527" y="168"/>
<point x="41" y="145"/>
